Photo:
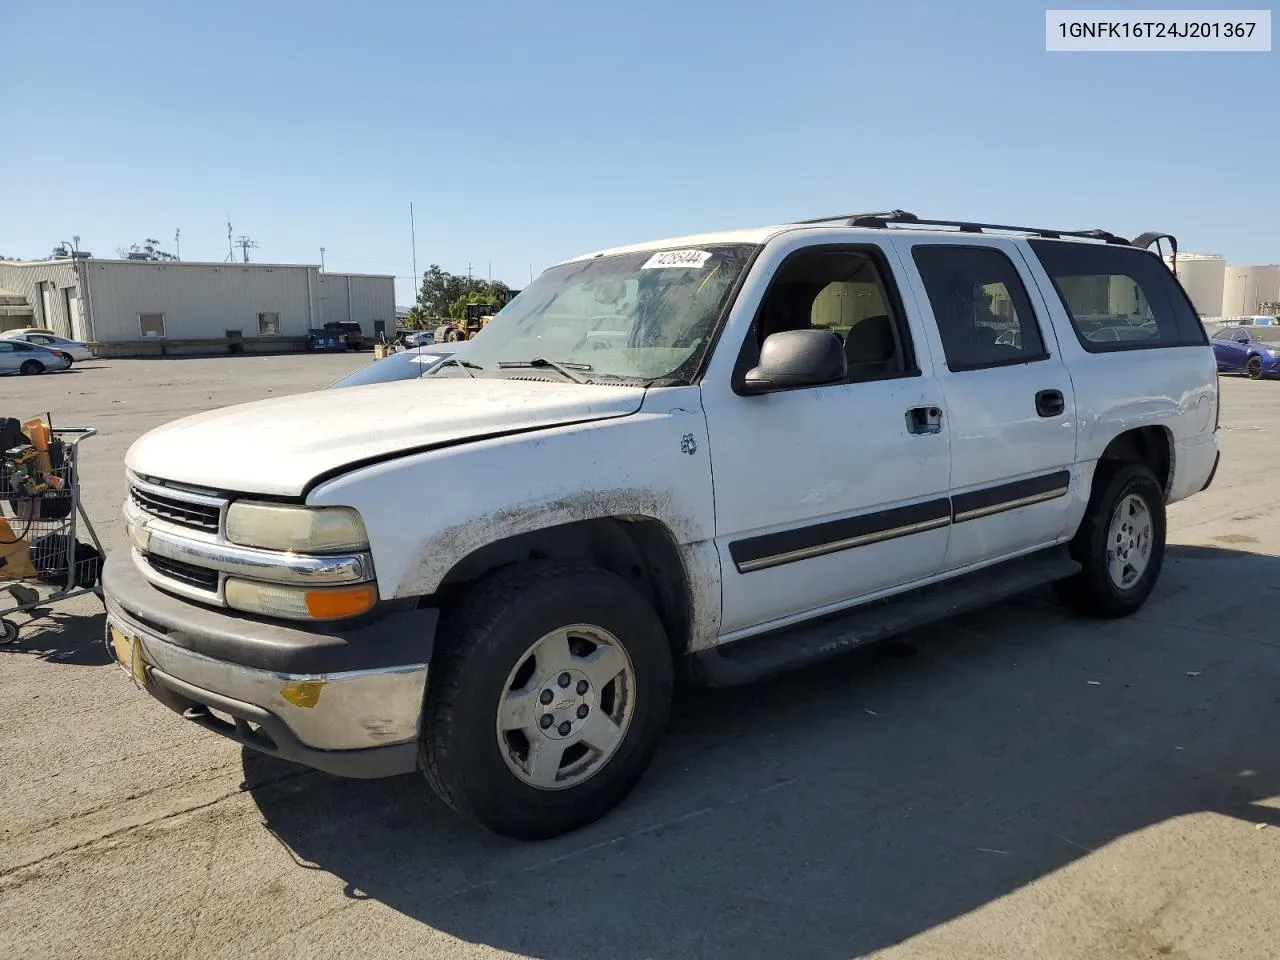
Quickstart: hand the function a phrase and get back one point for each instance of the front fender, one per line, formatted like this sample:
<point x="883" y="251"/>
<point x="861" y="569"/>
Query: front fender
<point x="427" y="511"/>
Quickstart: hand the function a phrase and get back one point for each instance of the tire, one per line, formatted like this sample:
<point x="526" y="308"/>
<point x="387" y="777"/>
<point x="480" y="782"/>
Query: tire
<point x="1254" y="368"/>
<point x="452" y="335"/>
<point x="31" y="367"/>
<point x="1094" y="591"/>
<point x="483" y="653"/>
<point x="8" y="632"/>
<point x="67" y="357"/>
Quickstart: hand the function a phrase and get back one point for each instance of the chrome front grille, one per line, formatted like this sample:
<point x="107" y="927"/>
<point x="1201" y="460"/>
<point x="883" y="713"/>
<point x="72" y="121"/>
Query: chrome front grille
<point x="203" y="514"/>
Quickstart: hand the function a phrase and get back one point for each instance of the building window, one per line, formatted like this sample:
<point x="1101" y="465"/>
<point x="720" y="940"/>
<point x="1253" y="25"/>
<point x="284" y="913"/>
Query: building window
<point x="268" y="324"/>
<point x="151" y="324"/>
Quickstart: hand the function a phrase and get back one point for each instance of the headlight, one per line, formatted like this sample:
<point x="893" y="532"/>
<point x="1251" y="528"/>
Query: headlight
<point x="299" y="603"/>
<point x="297" y="529"/>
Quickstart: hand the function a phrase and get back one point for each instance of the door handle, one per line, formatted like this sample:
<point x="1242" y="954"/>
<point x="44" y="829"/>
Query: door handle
<point x="924" y="420"/>
<point x="1050" y="403"/>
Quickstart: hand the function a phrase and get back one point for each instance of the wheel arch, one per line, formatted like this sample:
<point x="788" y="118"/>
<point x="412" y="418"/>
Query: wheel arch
<point x="640" y="550"/>
<point x="1152" y="445"/>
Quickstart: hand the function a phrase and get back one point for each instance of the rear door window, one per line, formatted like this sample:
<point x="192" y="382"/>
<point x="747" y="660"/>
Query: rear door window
<point x="982" y="310"/>
<point x="1119" y="298"/>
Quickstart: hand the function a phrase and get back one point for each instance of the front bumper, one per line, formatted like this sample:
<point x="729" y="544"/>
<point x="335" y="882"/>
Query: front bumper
<point x="344" y="700"/>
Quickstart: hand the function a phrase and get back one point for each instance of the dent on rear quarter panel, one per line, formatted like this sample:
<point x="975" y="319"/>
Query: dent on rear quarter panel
<point x="428" y="511"/>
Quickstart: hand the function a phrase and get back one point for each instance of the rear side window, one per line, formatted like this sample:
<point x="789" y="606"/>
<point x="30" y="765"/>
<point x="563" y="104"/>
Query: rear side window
<point x="1119" y="298"/>
<point x="983" y="313"/>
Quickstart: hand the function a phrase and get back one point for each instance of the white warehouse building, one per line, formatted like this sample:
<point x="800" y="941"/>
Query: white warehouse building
<point x="149" y="308"/>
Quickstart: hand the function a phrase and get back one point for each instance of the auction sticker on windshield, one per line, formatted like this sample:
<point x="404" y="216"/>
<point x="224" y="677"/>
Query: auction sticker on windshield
<point x="426" y="358"/>
<point x="677" y="258"/>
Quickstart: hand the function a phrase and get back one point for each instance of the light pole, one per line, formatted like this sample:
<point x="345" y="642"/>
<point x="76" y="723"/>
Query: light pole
<point x="322" y="259"/>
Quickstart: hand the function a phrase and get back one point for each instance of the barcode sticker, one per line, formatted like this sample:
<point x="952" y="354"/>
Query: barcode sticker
<point x="677" y="258"/>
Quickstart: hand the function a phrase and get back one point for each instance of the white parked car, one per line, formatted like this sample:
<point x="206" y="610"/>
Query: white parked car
<point x="796" y="439"/>
<point x="73" y="350"/>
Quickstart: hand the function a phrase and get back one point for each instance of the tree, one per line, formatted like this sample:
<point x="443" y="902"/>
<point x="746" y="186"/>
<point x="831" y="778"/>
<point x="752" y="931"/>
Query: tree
<point x="444" y="294"/>
<point x="150" y="250"/>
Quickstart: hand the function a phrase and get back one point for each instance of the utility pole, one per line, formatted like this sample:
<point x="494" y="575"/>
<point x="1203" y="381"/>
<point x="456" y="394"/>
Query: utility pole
<point x="244" y="243"/>
<point x="322" y="259"/>
<point x="413" y="241"/>
<point x="177" y="245"/>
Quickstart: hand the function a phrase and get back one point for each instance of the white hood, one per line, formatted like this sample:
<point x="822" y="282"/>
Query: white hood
<point x="277" y="446"/>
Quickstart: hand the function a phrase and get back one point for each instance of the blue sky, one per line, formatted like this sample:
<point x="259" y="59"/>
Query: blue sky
<point x="526" y="133"/>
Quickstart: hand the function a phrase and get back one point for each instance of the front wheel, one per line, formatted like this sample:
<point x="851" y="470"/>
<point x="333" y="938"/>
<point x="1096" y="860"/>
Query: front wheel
<point x="1254" y="368"/>
<point x="547" y="698"/>
<point x="1120" y="543"/>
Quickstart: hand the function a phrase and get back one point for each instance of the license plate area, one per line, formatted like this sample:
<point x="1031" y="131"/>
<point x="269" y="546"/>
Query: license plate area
<point x="126" y="647"/>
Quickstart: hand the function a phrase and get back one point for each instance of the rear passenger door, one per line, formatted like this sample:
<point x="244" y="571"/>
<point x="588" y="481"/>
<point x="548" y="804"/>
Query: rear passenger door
<point x="1009" y="403"/>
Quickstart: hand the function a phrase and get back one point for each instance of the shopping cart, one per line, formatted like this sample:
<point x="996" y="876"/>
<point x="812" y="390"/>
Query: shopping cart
<point x="41" y="558"/>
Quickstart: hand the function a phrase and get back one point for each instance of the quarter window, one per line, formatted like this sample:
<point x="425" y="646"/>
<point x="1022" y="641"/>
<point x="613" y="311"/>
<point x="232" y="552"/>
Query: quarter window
<point x="1119" y="298"/>
<point x="983" y="313"/>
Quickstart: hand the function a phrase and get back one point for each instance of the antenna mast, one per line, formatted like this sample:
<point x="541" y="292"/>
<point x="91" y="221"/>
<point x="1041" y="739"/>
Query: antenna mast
<point x="231" y="250"/>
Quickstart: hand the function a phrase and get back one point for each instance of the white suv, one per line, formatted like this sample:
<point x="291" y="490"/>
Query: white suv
<point x="721" y="455"/>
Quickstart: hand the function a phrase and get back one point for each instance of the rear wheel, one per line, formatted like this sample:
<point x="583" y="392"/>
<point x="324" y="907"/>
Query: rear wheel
<point x="548" y="696"/>
<point x="8" y="632"/>
<point x="1254" y="368"/>
<point x="1120" y="543"/>
<point x="31" y="367"/>
<point x="67" y="357"/>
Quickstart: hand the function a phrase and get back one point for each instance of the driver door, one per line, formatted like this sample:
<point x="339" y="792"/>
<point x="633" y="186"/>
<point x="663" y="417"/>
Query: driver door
<point x="829" y="494"/>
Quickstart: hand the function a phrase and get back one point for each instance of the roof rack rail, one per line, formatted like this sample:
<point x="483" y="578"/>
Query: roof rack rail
<point x="884" y="219"/>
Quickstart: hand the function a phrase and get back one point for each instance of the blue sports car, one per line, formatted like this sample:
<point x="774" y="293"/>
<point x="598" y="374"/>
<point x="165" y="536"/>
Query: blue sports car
<point x="1239" y="350"/>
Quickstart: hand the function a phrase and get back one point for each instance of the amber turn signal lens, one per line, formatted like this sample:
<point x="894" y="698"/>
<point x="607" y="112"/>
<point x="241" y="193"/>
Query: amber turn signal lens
<point x="343" y="602"/>
<point x="299" y="603"/>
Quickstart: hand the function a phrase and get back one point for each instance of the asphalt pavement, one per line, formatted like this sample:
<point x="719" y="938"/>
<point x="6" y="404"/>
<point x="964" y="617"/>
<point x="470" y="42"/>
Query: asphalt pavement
<point x="1016" y="783"/>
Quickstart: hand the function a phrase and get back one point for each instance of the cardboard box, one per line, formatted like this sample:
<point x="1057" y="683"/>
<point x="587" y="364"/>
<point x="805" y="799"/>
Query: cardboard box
<point x="15" y="554"/>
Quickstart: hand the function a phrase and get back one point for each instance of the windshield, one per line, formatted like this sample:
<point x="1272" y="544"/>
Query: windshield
<point x="634" y="316"/>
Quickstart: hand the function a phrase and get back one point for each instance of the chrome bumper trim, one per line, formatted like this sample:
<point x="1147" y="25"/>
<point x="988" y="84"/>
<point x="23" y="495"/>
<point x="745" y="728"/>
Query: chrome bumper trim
<point x="351" y="710"/>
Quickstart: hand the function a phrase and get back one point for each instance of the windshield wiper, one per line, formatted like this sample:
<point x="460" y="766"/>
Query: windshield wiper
<point x="466" y="365"/>
<point x="565" y="369"/>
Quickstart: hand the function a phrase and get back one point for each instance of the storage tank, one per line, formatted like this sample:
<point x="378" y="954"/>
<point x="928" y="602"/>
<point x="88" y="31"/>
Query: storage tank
<point x="1247" y="288"/>
<point x="1202" y="275"/>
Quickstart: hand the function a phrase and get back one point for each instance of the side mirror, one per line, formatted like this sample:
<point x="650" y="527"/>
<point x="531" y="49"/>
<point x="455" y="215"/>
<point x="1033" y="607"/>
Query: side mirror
<point x="796" y="358"/>
<point x="1242" y="339"/>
